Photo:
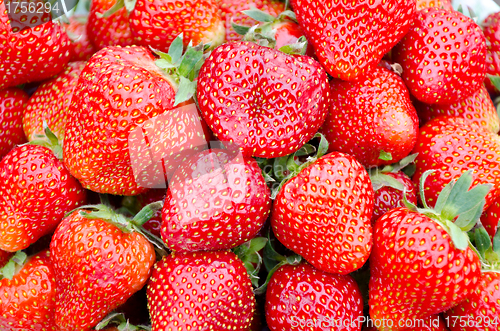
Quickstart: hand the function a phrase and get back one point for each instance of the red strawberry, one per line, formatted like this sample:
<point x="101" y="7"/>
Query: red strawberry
<point x="431" y="323"/>
<point x="304" y="298"/>
<point x="491" y="29"/>
<point x="433" y="69"/>
<point x="217" y="200"/>
<point x="27" y="299"/>
<point x="99" y="264"/>
<point x="423" y="4"/>
<point x="477" y="108"/>
<point x="200" y="291"/>
<point x="491" y="218"/>
<point x="452" y="146"/>
<point x="12" y="103"/>
<point x="157" y="23"/>
<point x="391" y="195"/>
<point x="427" y="247"/>
<point x="50" y="103"/>
<point x="144" y="199"/>
<point x="112" y="30"/>
<point x="372" y="118"/>
<point x="232" y="12"/>
<point x="83" y="49"/>
<point x="480" y="311"/>
<point x="105" y="146"/>
<point x="36" y="191"/>
<point x="30" y="54"/>
<point x="323" y="213"/>
<point x="350" y="38"/>
<point x="265" y="101"/>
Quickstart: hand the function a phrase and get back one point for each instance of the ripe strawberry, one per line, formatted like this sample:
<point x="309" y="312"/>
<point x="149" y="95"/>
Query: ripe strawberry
<point x="350" y="38"/>
<point x="267" y="102"/>
<point x="450" y="146"/>
<point x="122" y="142"/>
<point x="477" y="108"/>
<point x="200" y="291"/>
<point x="83" y="49"/>
<point x="108" y="30"/>
<point x="423" y="4"/>
<point x="232" y="12"/>
<point x="491" y="29"/>
<point x="433" y="69"/>
<point x="36" y="191"/>
<point x="480" y="311"/>
<point x="31" y="54"/>
<point x="99" y="261"/>
<point x="299" y="296"/>
<point x="323" y="214"/>
<point x="491" y="218"/>
<point x="391" y="194"/>
<point x="372" y="119"/>
<point x="27" y="299"/>
<point x="12" y="103"/>
<point x="217" y="200"/>
<point x="428" y="247"/>
<point x="50" y="103"/>
<point x="157" y="23"/>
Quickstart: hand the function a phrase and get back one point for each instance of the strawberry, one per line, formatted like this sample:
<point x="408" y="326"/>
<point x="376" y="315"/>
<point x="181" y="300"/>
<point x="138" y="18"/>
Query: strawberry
<point x="21" y="62"/>
<point x="391" y="185"/>
<point x="491" y="218"/>
<point x="451" y="145"/>
<point x="105" y="146"/>
<point x="217" y="200"/>
<point x="322" y="212"/>
<point x="36" y="191"/>
<point x="232" y="12"/>
<point x="491" y="29"/>
<point x="423" y="4"/>
<point x="478" y="108"/>
<point x="99" y="261"/>
<point x="433" y="69"/>
<point x="480" y="311"/>
<point x="200" y="291"/>
<point x="275" y="31"/>
<point x="267" y="102"/>
<point x="83" y="49"/>
<point x="431" y="323"/>
<point x="12" y="103"/>
<point x="430" y="248"/>
<point x="304" y="298"/>
<point x="104" y="29"/>
<point x="372" y="119"/>
<point x="28" y="294"/>
<point x="350" y="38"/>
<point x="50" y="103"/>
<point x="157" y="23"/>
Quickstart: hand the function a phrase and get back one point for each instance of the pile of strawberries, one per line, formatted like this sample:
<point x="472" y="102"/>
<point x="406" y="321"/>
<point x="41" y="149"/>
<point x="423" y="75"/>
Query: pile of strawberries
<point x="241" y="165"/>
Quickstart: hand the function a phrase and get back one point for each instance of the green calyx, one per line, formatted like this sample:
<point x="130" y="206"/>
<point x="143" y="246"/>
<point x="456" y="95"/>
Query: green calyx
<point x="458" y="207"/>
<point x="119" y="4"/>
<point x="488" y="250"/>
<point x="181" y="67"/>
<point x="105" y="212"/>
<point x="264" y="33"/>
<point x="249" y="255"/>
<point x="49" y="140"/>
<point x="379" y="177"/>
<point x="15" y="264"/>
<point x="122" y="324"/>
<point x="280" y="170"/>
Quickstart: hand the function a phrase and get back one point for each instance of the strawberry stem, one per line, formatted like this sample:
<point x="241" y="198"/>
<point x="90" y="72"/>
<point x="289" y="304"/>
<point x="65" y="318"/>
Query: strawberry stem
<point x="14" y="265"/>
<point x="49" y="140"/>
